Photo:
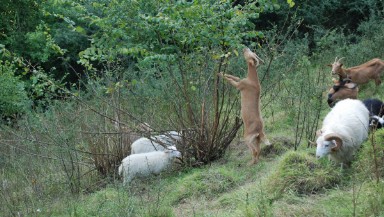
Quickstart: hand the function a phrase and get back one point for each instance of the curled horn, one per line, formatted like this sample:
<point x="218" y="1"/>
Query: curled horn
<point x="336" y="137"/>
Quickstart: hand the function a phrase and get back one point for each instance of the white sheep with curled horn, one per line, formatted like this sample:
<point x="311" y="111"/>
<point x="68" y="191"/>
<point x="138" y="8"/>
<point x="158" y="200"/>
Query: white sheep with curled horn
<point x="343" y="131"/>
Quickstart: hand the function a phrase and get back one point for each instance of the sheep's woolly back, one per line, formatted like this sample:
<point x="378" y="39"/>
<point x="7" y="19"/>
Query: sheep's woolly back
<point x="145" y="164"/>
<point x="349" y="119"/>
<point x="155" y="143"/>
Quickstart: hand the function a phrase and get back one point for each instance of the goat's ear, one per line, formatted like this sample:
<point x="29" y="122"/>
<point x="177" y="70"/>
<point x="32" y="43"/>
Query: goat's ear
<point x="341" y="64"/>
<point x="330" y="65"/>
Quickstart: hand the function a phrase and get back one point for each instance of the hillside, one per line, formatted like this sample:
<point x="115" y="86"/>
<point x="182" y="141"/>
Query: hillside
<point x="81" y="80"/>
<point x="284" y="183"/>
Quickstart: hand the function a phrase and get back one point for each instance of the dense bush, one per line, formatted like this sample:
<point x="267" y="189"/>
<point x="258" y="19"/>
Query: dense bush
<point x="13" y="97"/>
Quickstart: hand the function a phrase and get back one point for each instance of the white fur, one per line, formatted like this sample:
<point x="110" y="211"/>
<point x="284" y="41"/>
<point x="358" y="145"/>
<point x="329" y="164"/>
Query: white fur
<point x="146" y="164"/>
<point x="155" y="143"/>
<point x="349" y="119"/>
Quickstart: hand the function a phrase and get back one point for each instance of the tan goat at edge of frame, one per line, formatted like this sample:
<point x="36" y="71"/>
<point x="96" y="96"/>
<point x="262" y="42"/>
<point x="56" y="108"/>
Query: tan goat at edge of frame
<point x="360" y="74"/>
<point x="250" y="105"/>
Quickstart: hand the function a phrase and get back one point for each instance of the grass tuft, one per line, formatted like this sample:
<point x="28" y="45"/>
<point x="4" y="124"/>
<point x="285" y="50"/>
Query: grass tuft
<point x="206" y="183"/>
<point x="302" y="174"/>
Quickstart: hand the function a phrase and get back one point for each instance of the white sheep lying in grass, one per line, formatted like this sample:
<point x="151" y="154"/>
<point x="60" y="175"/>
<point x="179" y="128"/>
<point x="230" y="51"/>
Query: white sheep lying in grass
<point x="344" y="129"/>
<point x="155" y="143"/>
<point x="146" y="164"/>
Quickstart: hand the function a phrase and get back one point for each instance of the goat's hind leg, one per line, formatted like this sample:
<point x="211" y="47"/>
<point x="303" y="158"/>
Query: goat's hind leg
<point x="378" y="75"/>
<point x="253" y="144"/>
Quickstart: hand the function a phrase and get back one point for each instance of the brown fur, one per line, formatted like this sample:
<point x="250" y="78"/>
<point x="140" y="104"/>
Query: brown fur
<point x="342" y="90"/>
<point x="360" y="74"/>
<point x="250" y="105"/>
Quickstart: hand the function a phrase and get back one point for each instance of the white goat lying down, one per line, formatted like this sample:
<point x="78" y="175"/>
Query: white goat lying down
<point x="344" y="129"/>
<point x="155" y="143"/>
<point x="146" y="164"/>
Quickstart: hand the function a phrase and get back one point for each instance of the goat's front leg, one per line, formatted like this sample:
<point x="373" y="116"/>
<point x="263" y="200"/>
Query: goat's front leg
<point x="233" y="80"/>
<point x="237" y="79"/>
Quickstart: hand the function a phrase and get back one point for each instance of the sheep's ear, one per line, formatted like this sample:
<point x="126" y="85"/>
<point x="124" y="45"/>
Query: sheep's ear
<point x="337" y="140"/>
<point x="318" y="133"/>
<point x="341" y="65"/>
<point x="330" y="65"/>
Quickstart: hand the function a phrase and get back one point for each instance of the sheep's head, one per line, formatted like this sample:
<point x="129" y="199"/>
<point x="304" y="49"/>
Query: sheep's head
<point x="328" y="144"/>
<point x="252" y="57"/>
<point x="337" y="67"/>
<point x="173" y="152"/>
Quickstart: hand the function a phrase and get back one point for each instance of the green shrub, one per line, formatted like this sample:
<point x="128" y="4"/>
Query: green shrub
<point x="13" y="98"/>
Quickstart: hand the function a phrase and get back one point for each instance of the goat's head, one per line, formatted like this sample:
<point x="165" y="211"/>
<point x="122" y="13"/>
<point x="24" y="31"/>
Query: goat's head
<point x="251" y="56"/>
<point x="337" y="67"/>
<point x="327" y="144"/>
<point x="337" y="93"/>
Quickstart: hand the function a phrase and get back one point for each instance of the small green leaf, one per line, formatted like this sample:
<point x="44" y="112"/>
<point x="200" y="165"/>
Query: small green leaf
<point x="291" y="3"/>
<point x="236" y="53"/>
<point x="79" y="29"/>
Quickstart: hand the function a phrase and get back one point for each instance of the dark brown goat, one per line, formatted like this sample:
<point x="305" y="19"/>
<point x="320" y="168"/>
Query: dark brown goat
<point x="342" y="90"/>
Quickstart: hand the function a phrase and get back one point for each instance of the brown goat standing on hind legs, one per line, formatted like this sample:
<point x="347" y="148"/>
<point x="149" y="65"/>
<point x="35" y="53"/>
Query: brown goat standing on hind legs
<point x="250" y="104"/>
<point x="360" y="74"/>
